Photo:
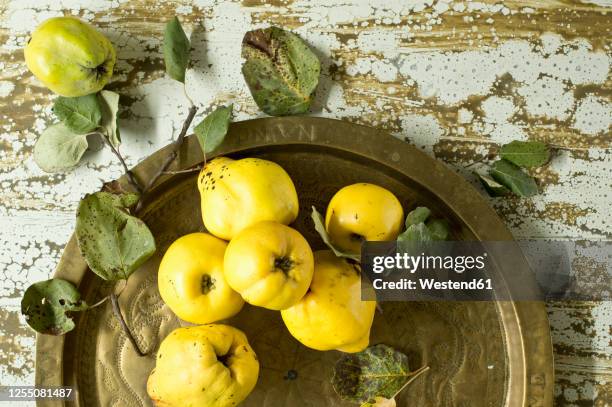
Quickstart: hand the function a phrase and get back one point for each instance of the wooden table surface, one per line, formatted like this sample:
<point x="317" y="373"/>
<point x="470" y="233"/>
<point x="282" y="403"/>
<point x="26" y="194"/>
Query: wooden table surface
<point x="455" y="78"/>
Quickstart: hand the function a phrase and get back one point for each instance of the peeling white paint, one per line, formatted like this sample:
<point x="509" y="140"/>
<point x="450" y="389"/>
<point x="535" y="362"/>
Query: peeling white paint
<point x="603" y="3"/>
<point x="547" y="97"/>
<point x="593" y="115"/>
<point x="498" y="109"/>
<point x="452" y="77"/>
<point x="422" y="131"/>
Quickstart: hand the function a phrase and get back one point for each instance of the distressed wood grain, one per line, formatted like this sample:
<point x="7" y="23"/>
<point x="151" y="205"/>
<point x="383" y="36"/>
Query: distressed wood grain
<point x="454" y="78"/>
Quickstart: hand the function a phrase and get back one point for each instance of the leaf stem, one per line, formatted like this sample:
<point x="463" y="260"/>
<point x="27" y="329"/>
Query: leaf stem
<point x="187" y="171"/>
<point x="566" y="148"/>
<point x="119" y="315"/>
<point x="187" y="95"/>
<point x="481" y="159"/>
<point x="131" y="178"/>
<point x="97" y="304"/>
<point x="412" y="377"/>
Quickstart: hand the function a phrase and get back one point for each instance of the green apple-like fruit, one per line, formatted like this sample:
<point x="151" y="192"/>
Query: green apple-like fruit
<point x="70" y="56"/>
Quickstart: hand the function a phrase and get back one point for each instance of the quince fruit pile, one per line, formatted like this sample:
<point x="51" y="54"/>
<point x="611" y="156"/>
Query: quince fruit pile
<point x="251" y="254"/>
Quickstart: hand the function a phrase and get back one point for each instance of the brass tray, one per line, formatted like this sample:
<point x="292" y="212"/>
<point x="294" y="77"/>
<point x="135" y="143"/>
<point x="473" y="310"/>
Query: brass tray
<point x="479" y="353"/>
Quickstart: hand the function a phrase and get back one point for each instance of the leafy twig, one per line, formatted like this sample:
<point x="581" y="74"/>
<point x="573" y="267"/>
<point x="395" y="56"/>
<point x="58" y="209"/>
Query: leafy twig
<point x="131" y="177"/>
<point x="63" y="146"/>
<point x="119" y="315"/>
<point x="175" y="149"/>
<point x="142" y="190"/>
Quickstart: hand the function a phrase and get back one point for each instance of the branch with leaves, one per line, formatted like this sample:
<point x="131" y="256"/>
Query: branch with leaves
<point x="506" y="175"/>
<point x="112" y="240"/>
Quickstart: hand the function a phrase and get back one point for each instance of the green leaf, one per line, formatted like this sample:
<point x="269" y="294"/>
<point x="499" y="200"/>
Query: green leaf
<point x="319" y="225"/>
<point x="493" y="187"/>
<point x="438" y="229"/>
<point x="176" y="50"/>
<point x="113" y="242"/>
<point x="512" y="177"/>
<point x="417" y="215"/>
<point x="58" y="148"/>
<point x="46" y="304"/>
<point x="212" y="130"/>
<point x="280" y="70"/>
<point x="419" y="232"/>
<point x="80" y="114"/>
<point x="110" y="107"/>
<point x="526" y="154"/>
<point x="378" y="371"/>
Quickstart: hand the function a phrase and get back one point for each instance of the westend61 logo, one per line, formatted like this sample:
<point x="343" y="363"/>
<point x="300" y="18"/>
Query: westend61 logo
<point x="425" y="270"/>
<point x="484" y="271"/>
<point x="436" y="272"/>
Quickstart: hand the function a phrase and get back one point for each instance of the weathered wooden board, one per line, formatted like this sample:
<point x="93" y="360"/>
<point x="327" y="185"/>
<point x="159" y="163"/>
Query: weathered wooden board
<point x="455" y="78"/>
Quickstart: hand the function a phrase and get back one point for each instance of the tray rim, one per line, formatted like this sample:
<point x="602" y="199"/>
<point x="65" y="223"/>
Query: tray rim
<point x="530" y="355"/>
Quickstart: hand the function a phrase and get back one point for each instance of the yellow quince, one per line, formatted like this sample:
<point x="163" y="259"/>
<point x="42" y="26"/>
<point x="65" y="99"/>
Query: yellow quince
<point x="362" y="212"/>
<point x="203" y="366"/>
<point x="192" y="283"/>
<point x="70" y="56"/>
<point x="236" y="194"/>
<point x="269" y="264"/>
<point x="332" y="315"/>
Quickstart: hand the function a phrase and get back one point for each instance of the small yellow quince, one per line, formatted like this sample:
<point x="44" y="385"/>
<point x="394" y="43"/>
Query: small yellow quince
<point x="203" y="366"/>
<point x="332" y="315"/>
<point x="269" y="264"/>
<point x="70" y="56"/>
<point x="362" y="212"/>
<point x="192" y="283"/>
<point x="236" y="194"/>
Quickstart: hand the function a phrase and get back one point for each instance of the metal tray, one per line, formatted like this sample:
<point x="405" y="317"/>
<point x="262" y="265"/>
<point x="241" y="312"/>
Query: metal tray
<point x="479" y="353"/>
